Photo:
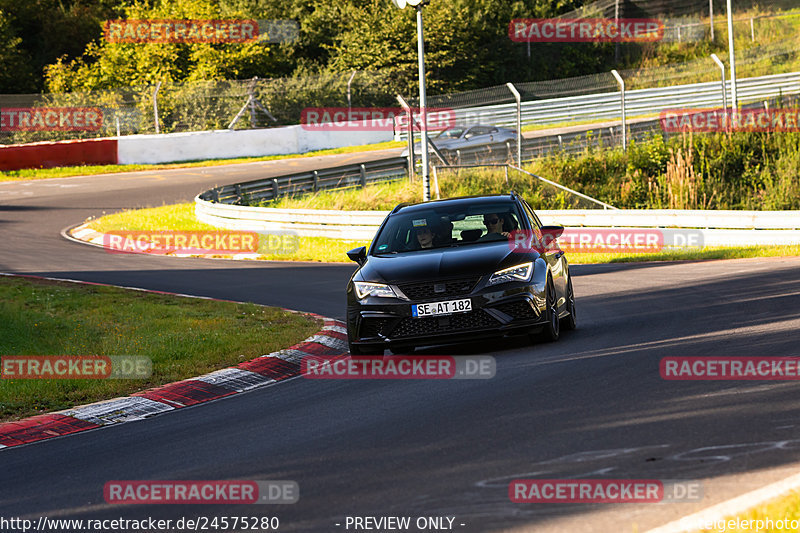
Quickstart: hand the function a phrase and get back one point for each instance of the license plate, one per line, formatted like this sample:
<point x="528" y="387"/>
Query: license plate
<point x="446" y="307"/>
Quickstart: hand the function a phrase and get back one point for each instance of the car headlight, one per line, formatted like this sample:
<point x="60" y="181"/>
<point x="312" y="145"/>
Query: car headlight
<point x="365" y="288"/>
<point x="521" y="272"/>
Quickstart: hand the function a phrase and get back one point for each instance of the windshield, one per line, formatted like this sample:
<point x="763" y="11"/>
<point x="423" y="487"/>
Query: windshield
<point x="452" y="133"/>
<point x="440" y="226"/>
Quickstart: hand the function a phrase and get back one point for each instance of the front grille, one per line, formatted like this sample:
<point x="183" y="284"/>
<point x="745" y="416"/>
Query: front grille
<point x="427" y="291"/>
<point x="431" y="325"/>
<point x="373" y="327"/>
<point x="520" y="309"/>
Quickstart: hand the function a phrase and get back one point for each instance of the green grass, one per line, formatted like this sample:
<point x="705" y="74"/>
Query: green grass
<point x="181" y="217"/>
<point x="783" y="509"/>
<point x="743" y="170"/>
<point x="379" y="196"/>
<point x="184" y="337"/>
<point x="90" y="170"/>
<point x="168" y="217"/>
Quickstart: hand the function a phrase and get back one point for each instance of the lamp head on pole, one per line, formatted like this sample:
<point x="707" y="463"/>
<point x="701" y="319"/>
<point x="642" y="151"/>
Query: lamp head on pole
<point x="413" y="3"/>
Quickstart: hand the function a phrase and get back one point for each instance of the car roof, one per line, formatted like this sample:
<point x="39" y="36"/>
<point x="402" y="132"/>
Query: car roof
<point x="461" y="200"/>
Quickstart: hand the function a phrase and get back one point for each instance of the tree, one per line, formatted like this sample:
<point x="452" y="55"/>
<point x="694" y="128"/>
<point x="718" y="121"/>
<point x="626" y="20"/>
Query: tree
<point x="466" y="44"/>
<point x="107" y="64"/>
<point x="16" y="74"/>
<point x="45" y="30"/>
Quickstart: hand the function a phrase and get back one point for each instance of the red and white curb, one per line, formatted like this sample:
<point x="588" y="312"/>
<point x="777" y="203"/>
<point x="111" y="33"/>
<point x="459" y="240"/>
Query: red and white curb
<point x="330" y="341"/>
<point x="88" y="235"/>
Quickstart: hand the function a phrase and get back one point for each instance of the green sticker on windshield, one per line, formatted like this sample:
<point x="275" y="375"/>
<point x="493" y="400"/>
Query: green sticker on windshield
<point x="382" y="247"/>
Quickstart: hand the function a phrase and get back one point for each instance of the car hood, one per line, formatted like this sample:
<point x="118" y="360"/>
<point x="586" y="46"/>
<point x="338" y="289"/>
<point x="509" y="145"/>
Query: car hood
<point x="440" y="144"/>
<point x="466" y="260"/>
<point x="453" y="144"/>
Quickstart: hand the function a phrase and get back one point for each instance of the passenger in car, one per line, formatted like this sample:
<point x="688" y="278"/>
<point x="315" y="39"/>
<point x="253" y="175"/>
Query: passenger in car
<point x="495" y="227"/>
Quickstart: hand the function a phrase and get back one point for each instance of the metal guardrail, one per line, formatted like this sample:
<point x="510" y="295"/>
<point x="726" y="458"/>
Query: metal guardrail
<point x="572" y="142"/>
<point x="341" y="177"/>
<point x="228" y="206"/>
<point x="638" y="102"/>
<point x="720" y="228"/>
<point x="568" y="143"/>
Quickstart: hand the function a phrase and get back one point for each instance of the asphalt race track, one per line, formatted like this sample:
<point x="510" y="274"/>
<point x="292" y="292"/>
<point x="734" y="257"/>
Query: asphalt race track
<point x="591" y="405"/>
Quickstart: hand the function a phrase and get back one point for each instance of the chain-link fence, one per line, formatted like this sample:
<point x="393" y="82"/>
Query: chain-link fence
<point x="758" y="60"/>
<point x="685" y="20"/>
<point x="191" y="106"/>
<point x="767" y="45"/>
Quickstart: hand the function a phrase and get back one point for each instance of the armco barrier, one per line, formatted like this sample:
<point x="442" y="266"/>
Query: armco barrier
<point x="57" y="154"/>
<point x="344" y="176"/>
<point x="638" y="102"/>
<point x="720" y="228"/>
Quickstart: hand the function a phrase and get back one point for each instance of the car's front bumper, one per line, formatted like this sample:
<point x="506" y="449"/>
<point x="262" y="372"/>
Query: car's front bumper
<point x="494" y="312"/>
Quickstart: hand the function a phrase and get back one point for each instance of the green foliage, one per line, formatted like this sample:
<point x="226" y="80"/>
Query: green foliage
<point x="467" y="45"/>
<point x="16" y="74"/>
<point x="41" y="31"/>
<point x="738" y="171"/>
<point x="714" y="171"/>
<point x="106" y="65"/>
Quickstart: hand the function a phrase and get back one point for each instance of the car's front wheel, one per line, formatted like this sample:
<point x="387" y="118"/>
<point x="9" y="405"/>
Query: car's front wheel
<point x="552" y="328"/>
<point x="570" y="322"/>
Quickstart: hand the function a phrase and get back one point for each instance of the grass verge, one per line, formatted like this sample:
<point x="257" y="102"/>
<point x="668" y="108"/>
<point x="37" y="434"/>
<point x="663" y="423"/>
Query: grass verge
<point x="181" y="217"/>
<point x="184" y="337"/>
<point x="743" y="170"/>
<point x="91" y="170"/>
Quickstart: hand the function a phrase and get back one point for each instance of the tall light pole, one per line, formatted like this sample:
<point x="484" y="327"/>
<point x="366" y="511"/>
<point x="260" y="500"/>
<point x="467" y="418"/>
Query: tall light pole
<point x="711" y="16"/>
<point x="732" y="59"/>
<point x="417" y="4"/>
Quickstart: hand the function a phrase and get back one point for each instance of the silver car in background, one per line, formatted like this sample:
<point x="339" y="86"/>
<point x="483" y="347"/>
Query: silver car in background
<point x="466" y="137"/>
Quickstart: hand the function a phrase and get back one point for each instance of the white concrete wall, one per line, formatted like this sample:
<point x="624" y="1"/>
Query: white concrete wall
<point x="308" y="141"/>
<point x="223" y="144"/>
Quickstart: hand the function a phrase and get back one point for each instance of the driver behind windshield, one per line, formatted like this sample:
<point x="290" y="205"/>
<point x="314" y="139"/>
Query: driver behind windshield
<point x="424" y="235"/>
<point x="430" y="235"/>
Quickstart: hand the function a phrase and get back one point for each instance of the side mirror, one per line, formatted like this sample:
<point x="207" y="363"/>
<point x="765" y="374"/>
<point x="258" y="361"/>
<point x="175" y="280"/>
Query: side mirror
<point x="359" y="255"/>
<point x="553" y="232"/>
